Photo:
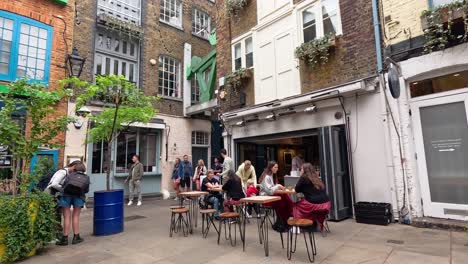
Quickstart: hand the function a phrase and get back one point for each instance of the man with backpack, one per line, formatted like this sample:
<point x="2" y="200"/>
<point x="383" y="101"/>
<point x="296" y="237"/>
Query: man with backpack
<point x="72" y="194"/>
<point x="134" y="180"/>
<point x="185" y="173"/>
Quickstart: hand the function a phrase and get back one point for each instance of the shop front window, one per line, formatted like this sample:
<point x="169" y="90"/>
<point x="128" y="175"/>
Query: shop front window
<point x="143" y="142"/>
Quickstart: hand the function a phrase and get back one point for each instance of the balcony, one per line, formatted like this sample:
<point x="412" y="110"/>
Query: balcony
<point x="125" y="10"/>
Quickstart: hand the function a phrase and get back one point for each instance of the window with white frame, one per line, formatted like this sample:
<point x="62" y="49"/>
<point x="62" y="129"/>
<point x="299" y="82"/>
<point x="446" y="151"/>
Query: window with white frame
<point x="126" y="10"/>
<point x="242" y="54"/>
<point x="200" y="138"/>
<point x="436" y="3"/>
<point x="170" y="12"/>
<point x="195" y="90"/>
<point x="169" y="77"/>
<point x="201" y="24"/>
<point x="321" y="19"/>
<point x="116" y="55"/>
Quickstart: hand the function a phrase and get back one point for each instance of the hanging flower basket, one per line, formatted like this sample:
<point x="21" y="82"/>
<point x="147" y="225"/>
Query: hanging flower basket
<point x="130" y="29"/>
<point x="316" y="52"/>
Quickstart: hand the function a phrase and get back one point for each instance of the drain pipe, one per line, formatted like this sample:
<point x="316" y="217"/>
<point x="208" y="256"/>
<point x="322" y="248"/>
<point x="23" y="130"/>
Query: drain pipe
<point x="378" y="47"/>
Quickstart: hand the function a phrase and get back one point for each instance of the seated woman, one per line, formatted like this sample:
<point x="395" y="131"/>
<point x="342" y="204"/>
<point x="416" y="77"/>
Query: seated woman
<point x="214" y="198"/>
<point x="316" y="205"/>
<point x="283" y="207"/>
<point x="233" y="188"/>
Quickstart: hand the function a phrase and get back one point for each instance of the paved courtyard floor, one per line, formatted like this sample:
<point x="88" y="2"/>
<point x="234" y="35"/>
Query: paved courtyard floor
<point x="146" y="240"/>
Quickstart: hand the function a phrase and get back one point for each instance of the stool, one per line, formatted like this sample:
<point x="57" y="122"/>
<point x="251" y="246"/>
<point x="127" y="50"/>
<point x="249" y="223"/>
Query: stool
<point x="207" y="217"/>
<point x="306" y="227"/>
<point x="180" y="220"/>
<point x="229" y="217"/>
<point x="176" y="207"/>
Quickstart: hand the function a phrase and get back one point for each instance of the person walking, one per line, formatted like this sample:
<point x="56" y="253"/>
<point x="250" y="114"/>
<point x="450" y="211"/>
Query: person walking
<point x="228" y="165"/>
<point x="247" y="172"/>
<point x="134" y="180"/>
<point x="185" y="173"/>
<point x="73" y="194"/>
<point x="200" y="170"/>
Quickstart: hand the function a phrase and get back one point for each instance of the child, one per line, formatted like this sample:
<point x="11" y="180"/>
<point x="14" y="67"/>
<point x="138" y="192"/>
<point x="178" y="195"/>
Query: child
<point x="251" y="191"/>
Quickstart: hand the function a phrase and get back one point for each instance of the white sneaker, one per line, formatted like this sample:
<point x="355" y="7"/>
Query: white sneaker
<point x="130" y="203"/>
<point x="139" y="203"/>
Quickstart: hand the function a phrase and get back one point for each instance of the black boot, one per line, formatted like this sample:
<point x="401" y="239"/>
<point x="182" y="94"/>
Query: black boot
<point x="63" y="241"/>
<point x="77" y="239"/>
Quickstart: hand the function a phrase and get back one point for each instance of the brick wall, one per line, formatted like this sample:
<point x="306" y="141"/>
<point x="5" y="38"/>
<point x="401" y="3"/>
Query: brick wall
<point x="159" y="39"/>
<point x="47" y="12"/>
<point x="354" y="56"/>
<point x="401" y="19"/>
<point x="228" y="29"/>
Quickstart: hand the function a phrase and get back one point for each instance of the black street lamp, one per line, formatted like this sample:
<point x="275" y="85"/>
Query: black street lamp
<point x="75" y="63"/>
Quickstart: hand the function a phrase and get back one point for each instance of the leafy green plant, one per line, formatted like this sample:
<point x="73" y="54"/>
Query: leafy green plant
<point x="438" y="25"/>
<point x="124" y="104"/>
<point x="236" y="79"/>
<point x="39" y="107"/>
<point x="233" y="7"/>
<point x="27" y="223"/>
<point x="315" y="52"/>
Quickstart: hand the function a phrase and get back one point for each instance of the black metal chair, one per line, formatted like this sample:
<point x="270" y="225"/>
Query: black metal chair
<point x="306" y="226"/>
<point x="180" y="220"/>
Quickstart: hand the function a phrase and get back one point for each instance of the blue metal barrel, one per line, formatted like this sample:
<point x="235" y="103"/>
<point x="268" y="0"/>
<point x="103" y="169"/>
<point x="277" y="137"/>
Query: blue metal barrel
<point x="108" y="212"/>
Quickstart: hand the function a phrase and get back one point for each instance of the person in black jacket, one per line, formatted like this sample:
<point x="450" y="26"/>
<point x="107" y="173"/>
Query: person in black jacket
<point x="233" y="188"/>
<point x="316" y="205"/>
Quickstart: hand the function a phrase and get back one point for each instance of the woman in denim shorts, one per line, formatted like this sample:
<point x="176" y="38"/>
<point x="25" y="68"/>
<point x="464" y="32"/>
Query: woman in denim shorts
<point x="67" y="201"/>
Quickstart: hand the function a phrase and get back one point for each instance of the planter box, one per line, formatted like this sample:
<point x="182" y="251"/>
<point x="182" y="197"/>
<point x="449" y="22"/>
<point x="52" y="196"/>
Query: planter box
<point x="446" y="16"/>
<point x="373" y="213"/>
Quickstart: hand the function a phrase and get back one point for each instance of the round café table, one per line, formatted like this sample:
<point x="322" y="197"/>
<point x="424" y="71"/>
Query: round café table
<point x="193" y="205"/>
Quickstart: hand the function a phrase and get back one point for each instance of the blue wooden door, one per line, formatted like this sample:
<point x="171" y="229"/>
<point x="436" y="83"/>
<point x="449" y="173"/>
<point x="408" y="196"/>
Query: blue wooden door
<point x="44" y="154"/>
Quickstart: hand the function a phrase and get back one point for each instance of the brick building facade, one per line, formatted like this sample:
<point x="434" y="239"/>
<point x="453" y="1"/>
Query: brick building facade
<point x="40" y="16"/>
<point x="285" y="108"/>
<point x="156" y="56"/>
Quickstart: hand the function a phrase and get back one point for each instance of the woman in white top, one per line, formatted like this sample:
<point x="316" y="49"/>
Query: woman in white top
<point x="200" y="170"/>
<point x="283" y="207"/>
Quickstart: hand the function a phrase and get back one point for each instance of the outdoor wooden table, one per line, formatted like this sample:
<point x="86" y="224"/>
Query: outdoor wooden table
<point x="193" y="205"/>
<point x="263" y="221"/>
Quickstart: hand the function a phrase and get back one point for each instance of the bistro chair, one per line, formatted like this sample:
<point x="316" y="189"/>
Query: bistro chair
<point x="228" y="219"/>
<point x="306" y="226"/>
<point x="180" y="220"/>
<point x="207" y="221"/>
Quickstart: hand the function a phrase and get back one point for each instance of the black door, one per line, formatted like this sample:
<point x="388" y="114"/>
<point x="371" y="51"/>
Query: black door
<point x="335" y="171"/>
<point x="199" y="153"/>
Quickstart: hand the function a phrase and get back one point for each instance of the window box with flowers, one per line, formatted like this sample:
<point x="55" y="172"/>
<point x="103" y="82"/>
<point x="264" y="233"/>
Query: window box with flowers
<point x="130" y="29"/>
<point x="316" y="52"/>
<point x="444" y="25"/>
<point x="237" y="79"/>
<point x="234" y="7"/>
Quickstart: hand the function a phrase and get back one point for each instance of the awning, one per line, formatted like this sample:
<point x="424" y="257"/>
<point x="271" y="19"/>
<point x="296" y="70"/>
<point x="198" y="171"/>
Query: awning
<point x="155" y="123"/>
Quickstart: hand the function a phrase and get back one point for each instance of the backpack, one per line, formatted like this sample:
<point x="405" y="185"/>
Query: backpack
<point x="45" y="180"/>
<point x="76" y="184"/>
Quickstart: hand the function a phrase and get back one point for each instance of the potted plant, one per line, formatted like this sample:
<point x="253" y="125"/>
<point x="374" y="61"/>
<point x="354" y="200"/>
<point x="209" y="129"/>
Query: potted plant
<point x="124" y="104"/>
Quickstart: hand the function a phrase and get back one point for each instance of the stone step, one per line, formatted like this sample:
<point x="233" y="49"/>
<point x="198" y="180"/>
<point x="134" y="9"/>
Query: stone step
<point x="439" y="223"/>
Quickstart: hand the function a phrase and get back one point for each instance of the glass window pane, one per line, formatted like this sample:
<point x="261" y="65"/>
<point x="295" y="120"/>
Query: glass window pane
<point x="330" y="17"/>
<point x="445" y="137"/>
<point x="249" y="60"/>
<point x="116" y="67"/>
<point x="310" y="33"/>
<point x="237" y="51"/>
<point x="248" y="45"/>
<point x="126" y="148"/>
